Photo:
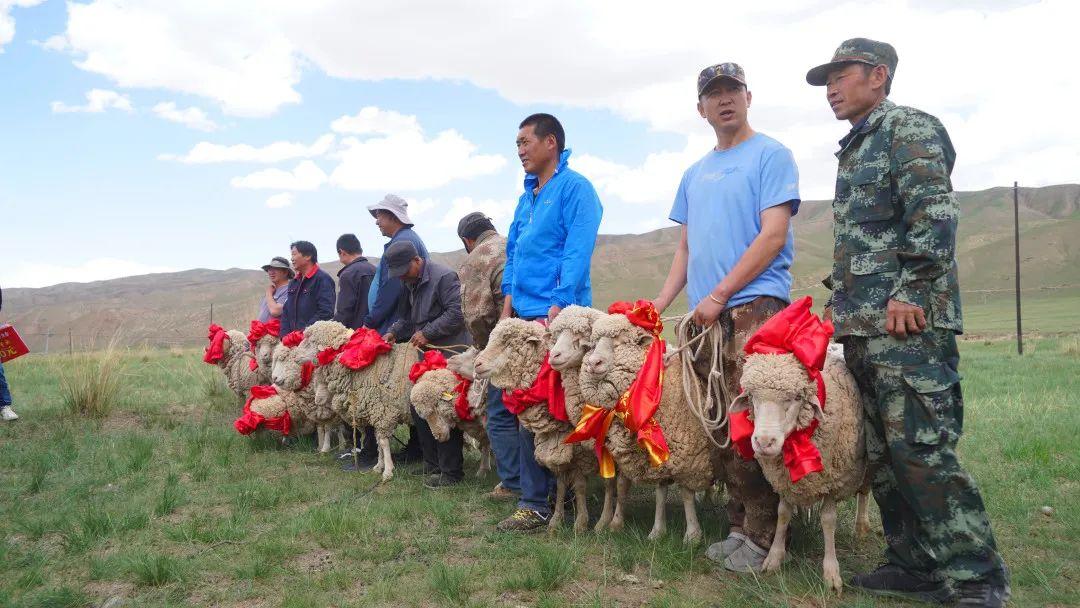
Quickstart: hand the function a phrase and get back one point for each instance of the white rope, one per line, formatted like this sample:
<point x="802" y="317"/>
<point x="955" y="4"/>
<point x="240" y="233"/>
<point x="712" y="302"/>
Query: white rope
<point x="710" y="405"/>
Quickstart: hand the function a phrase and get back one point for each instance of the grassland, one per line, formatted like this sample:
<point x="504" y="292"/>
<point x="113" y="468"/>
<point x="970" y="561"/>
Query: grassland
<point x="161" y="503"/>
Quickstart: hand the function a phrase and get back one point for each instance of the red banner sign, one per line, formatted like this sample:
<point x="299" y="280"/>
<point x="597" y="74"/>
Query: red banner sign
<point x="11" y="345"/>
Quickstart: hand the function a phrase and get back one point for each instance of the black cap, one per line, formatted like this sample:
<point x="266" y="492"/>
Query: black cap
<point x="398" y="256"/>
<point x="473" y="225"/>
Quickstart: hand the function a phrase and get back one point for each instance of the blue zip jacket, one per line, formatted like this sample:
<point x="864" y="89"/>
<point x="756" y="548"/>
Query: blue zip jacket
<point x="311" y="298"/>
<point x="551" y="240"/>
<point x="384" y="292"/>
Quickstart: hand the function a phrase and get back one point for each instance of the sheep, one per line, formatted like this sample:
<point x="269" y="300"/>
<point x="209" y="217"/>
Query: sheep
<point x="435" y="396"/>
<point x="262" y="349"/>
<point x="512" y="360"/>
<point x="569" y="341"/>
<point x="234" y="359"/>
<point x="293" y="369"/>
<point x="618" y="352"/>
<point x="375" y="395"/>
<point x="781" y="398"/>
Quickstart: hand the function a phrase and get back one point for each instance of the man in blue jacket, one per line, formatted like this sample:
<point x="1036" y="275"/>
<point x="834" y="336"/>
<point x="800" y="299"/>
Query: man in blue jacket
<point x="548" y="252"/>
<point x="311" y="292"/>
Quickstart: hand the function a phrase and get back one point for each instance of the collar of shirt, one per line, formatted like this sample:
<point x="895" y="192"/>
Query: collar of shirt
<point x="358" y="259"/>
<point x="311" y="271"/>
<point x="533" y="181"/>
<point x="867" y="124"/>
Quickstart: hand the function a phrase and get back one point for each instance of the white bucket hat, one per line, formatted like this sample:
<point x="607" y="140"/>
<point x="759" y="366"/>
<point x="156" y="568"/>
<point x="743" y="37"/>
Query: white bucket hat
<point x="394" y="204"/>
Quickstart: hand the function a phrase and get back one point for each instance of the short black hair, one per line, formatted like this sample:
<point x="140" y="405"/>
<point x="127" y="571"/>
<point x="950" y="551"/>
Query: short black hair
<point x="306" y="249"/>
<point x="349" y="243"/>
<point x="544" y="125"/>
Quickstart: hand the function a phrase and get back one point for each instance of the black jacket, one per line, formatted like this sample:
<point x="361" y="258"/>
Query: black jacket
<point x="354" y="281"/>
<point x="311" y="298"/>
<point x="432" y="305"/>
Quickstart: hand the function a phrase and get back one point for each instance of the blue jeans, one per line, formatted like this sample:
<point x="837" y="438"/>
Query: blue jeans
<point x="5" y="394"/>
<point x="503" y="433"/>
<point x="537" y="483"/>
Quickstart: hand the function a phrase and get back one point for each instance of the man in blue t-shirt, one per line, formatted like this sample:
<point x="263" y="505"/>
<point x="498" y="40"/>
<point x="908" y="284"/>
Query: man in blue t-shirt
<point x="735" y="207"/>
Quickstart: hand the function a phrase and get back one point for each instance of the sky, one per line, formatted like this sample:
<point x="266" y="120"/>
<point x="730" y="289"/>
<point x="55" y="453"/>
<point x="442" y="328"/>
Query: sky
<point x="142" y="136"/>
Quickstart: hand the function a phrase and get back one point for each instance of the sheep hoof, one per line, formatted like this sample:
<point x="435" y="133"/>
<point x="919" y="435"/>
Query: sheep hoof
<point x="656" y="533"/>
<point x="601" y="525"/>
<point x="691" y="538"/>
<point x="831" y="574"/>
<point x="581" y="525"/>
<point x="387" y="476"/>
<point x="616" y="524"/>
<point x="772" y="561"/>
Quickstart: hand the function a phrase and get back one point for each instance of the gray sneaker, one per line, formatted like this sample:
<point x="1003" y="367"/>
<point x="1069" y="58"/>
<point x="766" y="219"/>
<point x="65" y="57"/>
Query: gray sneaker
<point x="718" y="552"/>
<point x="8" y="414"/>
<point x="747" y="558"/>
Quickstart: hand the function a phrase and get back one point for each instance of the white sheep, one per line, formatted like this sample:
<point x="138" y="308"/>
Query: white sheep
<point x="435" y="397"/>
<point x="293" y="381"/>
<point x="618" y="352"/>
<point x="781" y="398"/>
<point x="569" y="342"/>
<point x="512" y="360"/>
<point x="235" y="361"/>
<point x="376" y="395"/>
<point x="263" y="352"/>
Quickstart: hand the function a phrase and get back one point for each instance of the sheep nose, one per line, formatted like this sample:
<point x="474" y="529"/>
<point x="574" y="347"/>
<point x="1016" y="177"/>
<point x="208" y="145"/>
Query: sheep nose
<point x="766" y="442"/>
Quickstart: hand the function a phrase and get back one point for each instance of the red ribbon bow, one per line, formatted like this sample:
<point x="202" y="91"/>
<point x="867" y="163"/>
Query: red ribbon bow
<point x="433" y="359"/>
<point x="216" y="349"/>
<point x="260" y="329"/>
<point x="546" y="388"/>
<point x="461" y="404"/>
<point x="293" y="339"/>
<point x="638" y="404"/>
<point x="362" y="349"/>
<point x="249" y="421"/>
<point x="797" y="331"/>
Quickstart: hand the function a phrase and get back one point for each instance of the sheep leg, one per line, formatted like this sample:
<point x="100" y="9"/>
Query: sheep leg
<point x="659" y="526"/>
<point x="387" y="460"/>
<point x="606" y="513"/>
<point x="862" y="513"/>
<point x="485" y="456"/>
<point x="560" y="510"/>
<point x="320" y="437"/>
<point x="778" y="549"/>
<point x="622" y="486"/>
<point x="693" y="526"/>
<point x="830" y="568"/>
<point x="343" y="441"/>
<point x="581" y="509"/>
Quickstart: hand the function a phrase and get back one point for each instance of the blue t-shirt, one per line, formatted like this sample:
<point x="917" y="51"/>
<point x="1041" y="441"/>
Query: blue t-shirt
<point x="720" y="201"/>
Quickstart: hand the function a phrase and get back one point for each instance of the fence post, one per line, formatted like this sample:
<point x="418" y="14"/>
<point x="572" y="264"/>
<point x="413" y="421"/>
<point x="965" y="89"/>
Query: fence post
<point x="71" y="344"/>
<point x="1016" y="234"/>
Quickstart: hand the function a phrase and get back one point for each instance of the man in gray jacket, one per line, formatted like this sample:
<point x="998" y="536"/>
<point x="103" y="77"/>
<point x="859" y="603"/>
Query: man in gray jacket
<point x="429" y="312"/>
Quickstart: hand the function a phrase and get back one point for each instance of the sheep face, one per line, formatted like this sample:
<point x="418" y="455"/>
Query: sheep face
<point x="570" y="332"/>
<point x="233" y="346"/>
<point x="264" y="351"/>
<point x="464" y="364"/>
<point x="618" y="351"/>
<point x="433" y="398"/>
<point x="781" y="398"/>
<point x="285" y="368"/>
<point x="513" y="344"/>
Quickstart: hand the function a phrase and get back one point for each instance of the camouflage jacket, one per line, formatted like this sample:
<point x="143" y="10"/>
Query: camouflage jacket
<point x="895" y="218"/>
<point x="481" y="286"/>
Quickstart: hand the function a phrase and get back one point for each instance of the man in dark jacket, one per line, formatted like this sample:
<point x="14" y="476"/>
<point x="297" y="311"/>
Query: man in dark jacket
<point x="354" y="281"/>
<point x="392" y="218"/>
<point x="429" y="312"/>
<point x="311" y="291"/>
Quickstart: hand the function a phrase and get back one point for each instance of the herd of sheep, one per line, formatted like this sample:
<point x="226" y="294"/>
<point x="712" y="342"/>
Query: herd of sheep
<point x="598" y="356"/>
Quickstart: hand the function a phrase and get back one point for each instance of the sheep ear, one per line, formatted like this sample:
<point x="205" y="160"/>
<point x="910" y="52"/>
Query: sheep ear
<point x="815" y="406"/>
<point x="741" y="403"/>
<point x="645" y="339"/>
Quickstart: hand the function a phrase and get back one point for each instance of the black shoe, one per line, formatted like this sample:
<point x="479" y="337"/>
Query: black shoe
<point x="438" y="480"/>
<point x="406" y="457"/>
<point x="972" y="594"/>
<point x="351" y="465"/>
<point x="892" y="580"/>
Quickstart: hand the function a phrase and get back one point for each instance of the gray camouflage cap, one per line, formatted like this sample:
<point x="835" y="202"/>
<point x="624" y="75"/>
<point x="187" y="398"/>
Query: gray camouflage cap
<point x="721" y="70"/>
<point x="856" y="50"/>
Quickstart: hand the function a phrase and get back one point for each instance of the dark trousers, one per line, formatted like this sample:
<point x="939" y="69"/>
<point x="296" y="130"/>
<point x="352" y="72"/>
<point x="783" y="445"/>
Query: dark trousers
<point x="444" y="457"/>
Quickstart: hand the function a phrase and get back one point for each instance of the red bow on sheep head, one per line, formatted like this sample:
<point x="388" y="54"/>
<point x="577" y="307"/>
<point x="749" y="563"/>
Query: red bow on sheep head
<point x="216" y="349"/>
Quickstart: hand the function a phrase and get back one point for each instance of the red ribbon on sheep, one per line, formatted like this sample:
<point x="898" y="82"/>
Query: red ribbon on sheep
<point x="307" y="368"/>
<point x="257" y="331"/>
<point x="794" y="330"/>
<point x="434" y="359"/>
<point x="361" y="350"/>
<point x="638" y="404"/>
<point x="547" y="388"/>
<point x="249" y="421"/>
<point x="216" y="349"/>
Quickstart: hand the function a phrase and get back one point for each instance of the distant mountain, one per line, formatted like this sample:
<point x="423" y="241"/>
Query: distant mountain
<point x="174" y="308"/>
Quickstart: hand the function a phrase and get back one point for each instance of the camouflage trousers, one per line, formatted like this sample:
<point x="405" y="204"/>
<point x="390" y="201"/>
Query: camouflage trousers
<point x="931" y="509"/>
<point x="752" y="502"/>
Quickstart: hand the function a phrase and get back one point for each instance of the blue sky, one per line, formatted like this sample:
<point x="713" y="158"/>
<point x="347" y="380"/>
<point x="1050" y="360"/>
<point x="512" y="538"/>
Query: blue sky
<point x="107" y="105"/>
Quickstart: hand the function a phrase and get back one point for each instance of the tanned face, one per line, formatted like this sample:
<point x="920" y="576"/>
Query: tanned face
<point x="535" y="153"/>
<point x="724" y="105"/>
<point x="387" y="223"/>
<point x="416" y="266"/>
<point x="300" y="262"/>
<point x="277" y="275"/>
<point x="855" y="89"/>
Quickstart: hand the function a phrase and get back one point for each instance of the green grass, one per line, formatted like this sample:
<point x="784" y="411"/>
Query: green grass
<point x="161" y="502"/>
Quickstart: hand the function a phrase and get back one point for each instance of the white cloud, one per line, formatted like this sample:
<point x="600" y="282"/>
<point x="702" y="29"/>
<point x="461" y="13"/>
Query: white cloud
<point x="372" y="120"/>
<point x="192" y="117"/>
<point x="305" y="176"/>
<point x="36" y="274"/>
<point x="500" y="212"/>
<point x="627" y="57"/>
<point x="57" y="42"/>
<point x="408" y="161"/>
<point x="97" y="101"/>
<point x="206" y="152"/>
<point x="278" y="201"/>
<point x="654" y="181"/>
<point x="7" y="22"/>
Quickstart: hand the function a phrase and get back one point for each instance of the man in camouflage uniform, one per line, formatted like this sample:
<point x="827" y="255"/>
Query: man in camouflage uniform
<point x="896" y="306"/>
<point x="481" y="302"/>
